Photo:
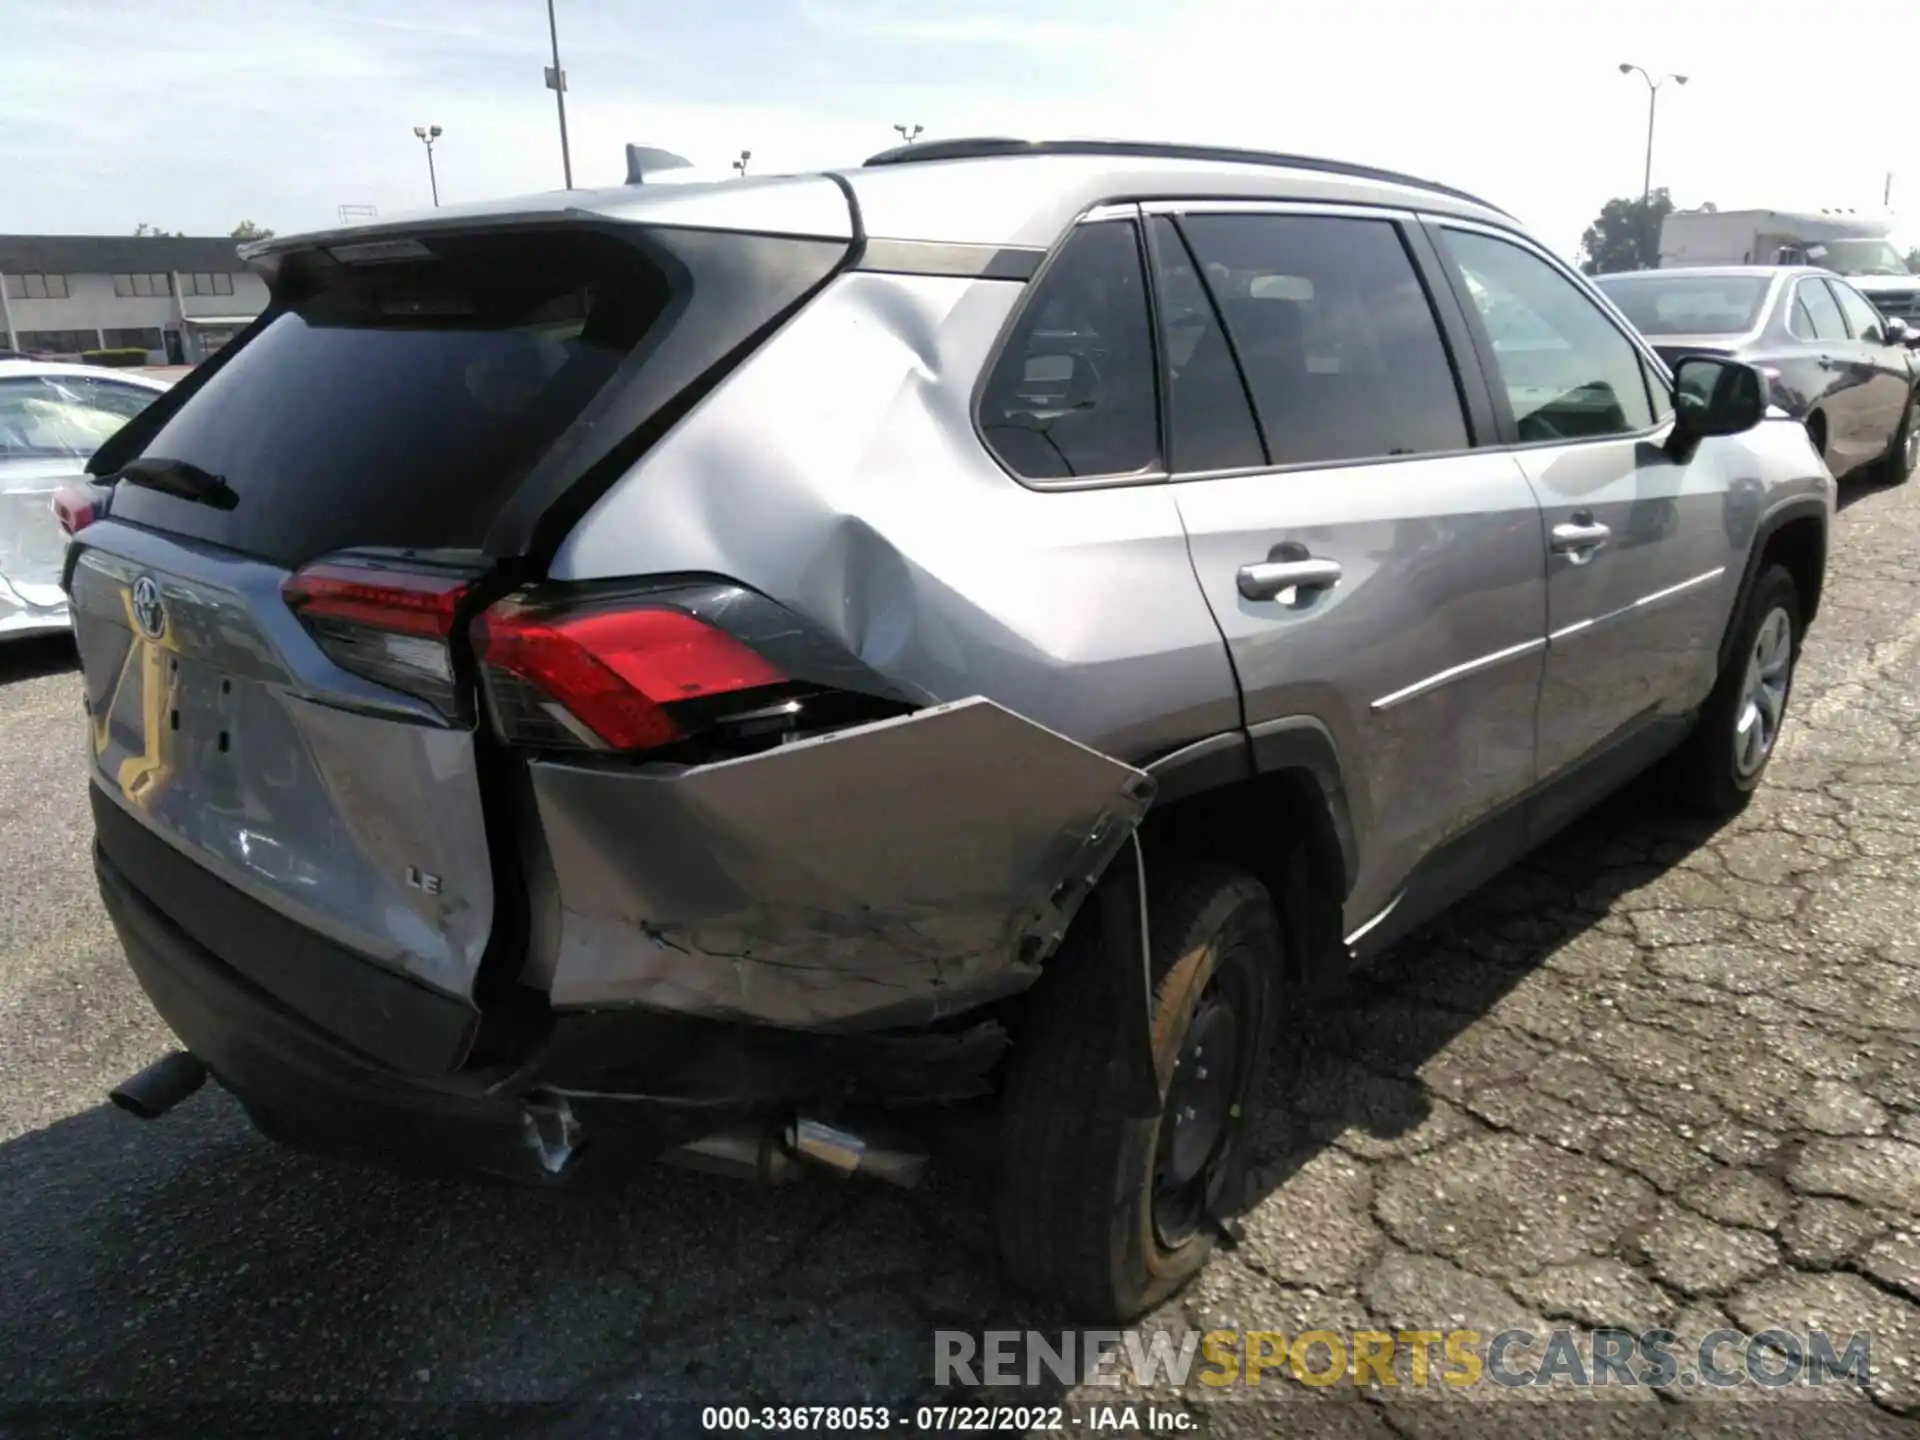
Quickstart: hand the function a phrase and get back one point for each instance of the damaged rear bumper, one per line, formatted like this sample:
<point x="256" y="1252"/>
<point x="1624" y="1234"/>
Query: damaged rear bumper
<point x="815" y="927"/>
<point x="621" y="1084"/>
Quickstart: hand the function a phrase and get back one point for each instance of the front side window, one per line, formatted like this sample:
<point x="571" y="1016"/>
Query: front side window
<point x="1073" y="393"/>
<point x="1335" y="335"/>
<point x="1814" y="307"/>
<point x="1862" y="318"/>
<point x="1568" y="372"/>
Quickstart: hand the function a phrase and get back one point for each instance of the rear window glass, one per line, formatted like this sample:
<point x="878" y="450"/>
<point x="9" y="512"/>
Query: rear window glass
<point x="399" y="403"/>
<point x="63" y="417"/>
<point x="1697" y="305"/>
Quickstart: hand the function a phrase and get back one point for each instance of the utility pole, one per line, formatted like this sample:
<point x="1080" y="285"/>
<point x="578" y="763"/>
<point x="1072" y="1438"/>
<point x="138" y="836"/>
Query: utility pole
<point x="557" y="82"/>
<point x="910" y="133"/>
<point x="428" y="134"/>
<point x="1653" y="97"/>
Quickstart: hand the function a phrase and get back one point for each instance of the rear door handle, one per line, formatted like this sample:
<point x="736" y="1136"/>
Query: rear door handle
<point x="1580" y="538"/>
<point x="1268" y="578"/>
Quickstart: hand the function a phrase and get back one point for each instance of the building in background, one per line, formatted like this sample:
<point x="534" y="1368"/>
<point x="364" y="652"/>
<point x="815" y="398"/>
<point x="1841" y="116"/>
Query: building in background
<point x="178" y="297"/>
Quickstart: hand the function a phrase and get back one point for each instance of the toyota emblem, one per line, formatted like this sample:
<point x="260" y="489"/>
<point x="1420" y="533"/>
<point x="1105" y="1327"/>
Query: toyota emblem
<point x="149" y="613"/>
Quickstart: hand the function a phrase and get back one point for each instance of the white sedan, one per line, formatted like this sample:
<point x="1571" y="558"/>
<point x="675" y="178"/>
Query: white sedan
<point x="52" y="418"/>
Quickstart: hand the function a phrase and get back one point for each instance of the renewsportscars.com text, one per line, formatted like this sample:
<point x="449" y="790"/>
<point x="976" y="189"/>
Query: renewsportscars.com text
<point x="1459" y="1358"/>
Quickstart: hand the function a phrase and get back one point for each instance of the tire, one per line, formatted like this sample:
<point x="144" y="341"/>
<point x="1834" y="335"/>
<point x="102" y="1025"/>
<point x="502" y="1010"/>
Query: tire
<point x="1904" y="453"/>
<point x="1089" y="1207"/>
<point x="1718" y="768"/>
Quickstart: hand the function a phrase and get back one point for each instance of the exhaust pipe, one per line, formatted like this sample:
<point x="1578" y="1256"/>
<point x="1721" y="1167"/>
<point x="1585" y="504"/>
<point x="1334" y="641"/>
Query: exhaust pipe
<point x="746" y="1154"/>
<point x="775" y="1157"/>
<point x="159" y="1087"/>
<point x="847" y="1154"/>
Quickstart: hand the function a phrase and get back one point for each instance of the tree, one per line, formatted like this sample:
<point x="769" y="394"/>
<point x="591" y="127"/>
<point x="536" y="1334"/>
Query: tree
<point x="247" y="230"/>
<point x="145" y="229"/>
<point x="1626" y="236"/>
<point x="1913" y="260"/>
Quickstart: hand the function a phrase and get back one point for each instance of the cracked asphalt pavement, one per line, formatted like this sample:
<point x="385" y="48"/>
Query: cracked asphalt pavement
<point x="1660" y="1074"/>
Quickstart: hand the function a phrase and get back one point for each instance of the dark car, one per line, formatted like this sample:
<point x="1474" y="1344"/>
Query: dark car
<point x="1830" y="358"/>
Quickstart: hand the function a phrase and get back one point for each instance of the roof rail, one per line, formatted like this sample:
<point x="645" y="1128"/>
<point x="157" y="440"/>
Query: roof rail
<point x="982" y="147"/>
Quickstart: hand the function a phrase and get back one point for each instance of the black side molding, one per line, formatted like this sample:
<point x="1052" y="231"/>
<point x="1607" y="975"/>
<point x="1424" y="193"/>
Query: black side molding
<point x="1218" y="760"/>
<point x="1303" y="743"/>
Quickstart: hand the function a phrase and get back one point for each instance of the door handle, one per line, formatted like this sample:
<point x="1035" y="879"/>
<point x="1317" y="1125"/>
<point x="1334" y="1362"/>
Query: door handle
<point x="1580" y="538"/>
<point x="1827" y="362"/>
<point x="1268" y="578"/>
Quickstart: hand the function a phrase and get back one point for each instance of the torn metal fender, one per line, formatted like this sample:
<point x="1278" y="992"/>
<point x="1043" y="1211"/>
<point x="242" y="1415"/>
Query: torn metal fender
<point x="889" y="874"/>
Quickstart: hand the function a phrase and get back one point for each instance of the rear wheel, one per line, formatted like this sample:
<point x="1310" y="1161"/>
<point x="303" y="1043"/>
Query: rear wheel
<point x="1904" y="453"/>
<point x="1110" y="1213"/>
<point x="1720" y="766"/>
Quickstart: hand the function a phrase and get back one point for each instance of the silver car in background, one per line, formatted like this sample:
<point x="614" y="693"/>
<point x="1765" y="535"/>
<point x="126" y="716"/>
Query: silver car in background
<point x="52" y="419"/>
<point x="803" y="670"/>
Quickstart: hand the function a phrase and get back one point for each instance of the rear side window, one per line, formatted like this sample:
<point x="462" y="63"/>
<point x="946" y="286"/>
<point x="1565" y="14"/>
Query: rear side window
<point x="1073" y="394"/>
<point x="1568" y="372"/>
<point x="1822" y="314"/>
<point x="1335" y="334"/>
<point x="399" y="404"/>
<point x="1209" y="418"/>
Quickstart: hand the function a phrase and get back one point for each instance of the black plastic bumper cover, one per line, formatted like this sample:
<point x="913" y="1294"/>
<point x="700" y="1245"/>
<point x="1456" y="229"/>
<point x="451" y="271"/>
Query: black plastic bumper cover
<point x="298" y="1084"/>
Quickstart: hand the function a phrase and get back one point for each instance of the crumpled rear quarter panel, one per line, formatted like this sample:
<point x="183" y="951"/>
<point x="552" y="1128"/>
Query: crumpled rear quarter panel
<point x="884" y="875"/>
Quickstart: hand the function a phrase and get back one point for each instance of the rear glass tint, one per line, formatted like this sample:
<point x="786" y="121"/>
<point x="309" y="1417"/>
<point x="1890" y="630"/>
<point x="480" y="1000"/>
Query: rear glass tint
<point x="399" y="404"/>
<point x="1690" y="305"/>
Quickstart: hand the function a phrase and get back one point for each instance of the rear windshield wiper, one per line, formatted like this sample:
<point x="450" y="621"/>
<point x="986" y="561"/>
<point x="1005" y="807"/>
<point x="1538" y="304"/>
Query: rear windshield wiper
<point x="181" y="479"/>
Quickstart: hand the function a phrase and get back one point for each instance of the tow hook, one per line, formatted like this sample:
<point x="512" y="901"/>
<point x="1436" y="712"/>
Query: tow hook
<point x="161" y="1086"/>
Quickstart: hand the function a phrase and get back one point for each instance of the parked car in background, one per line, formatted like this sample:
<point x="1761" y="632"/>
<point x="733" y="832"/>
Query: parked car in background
<point x="1877" y="270"/>
<point x="52" y="418"/>
<point x="789" y="670"/>
<point x="1831" y="360"/>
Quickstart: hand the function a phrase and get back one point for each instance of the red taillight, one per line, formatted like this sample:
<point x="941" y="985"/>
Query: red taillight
<point x="396" y="600"/>
<point x="612" y="671"/>
<point x="78" y="506"/>
<point x="390" y="626"/>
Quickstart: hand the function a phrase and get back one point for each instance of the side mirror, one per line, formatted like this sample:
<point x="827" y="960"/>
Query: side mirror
<point x="1714" y="396"/>
<point x="1901" y="333"/>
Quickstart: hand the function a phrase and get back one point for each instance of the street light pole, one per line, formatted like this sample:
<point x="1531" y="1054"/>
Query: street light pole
<point x="1653" y="97"/>
<point x="740" y="165"/>
<point x="909" y="133"/>
<point x="557" y="82"/>
<point x="428" y="134"/>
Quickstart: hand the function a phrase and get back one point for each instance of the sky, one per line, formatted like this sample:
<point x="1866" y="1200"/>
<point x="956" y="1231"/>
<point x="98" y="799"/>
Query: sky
<point x="196" y="114"/>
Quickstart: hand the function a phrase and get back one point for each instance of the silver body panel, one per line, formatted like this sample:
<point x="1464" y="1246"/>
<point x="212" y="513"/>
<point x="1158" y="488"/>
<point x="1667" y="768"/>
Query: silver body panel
<point x="1423" y="662"/>
<point x="32" y="545"/>
<point x="232" y="737"/>
<point x="1062" y="638"/>
<point x="1633" y="626"/>
<point x="838" y="472"/>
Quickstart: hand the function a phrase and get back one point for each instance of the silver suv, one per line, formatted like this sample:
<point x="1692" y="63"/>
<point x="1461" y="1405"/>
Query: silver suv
<point x="806" y="669"/>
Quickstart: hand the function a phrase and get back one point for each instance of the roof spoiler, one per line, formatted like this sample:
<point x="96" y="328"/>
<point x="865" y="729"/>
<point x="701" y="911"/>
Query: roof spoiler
<point x="646" y="160"/>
